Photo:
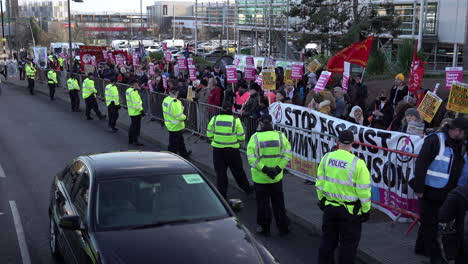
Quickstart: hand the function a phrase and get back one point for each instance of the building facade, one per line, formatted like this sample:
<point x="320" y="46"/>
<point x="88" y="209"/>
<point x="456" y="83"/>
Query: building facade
<point x="162" y="13"/>
<point x="44" y="10"/>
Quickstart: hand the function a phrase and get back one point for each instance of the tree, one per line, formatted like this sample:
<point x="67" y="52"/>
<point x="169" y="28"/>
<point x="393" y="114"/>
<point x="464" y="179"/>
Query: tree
<point x="338" y="23"/>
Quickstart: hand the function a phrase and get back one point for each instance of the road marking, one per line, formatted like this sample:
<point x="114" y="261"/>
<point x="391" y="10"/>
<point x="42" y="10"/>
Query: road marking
<point x="20" y="233"/>
<point x="2" y="172"/>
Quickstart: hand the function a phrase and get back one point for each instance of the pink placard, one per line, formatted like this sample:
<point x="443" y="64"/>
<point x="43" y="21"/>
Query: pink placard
<point x="120" y="60"/>
<point x="192" y="72"/>
<point x="111" y="58"/>
<point x="259" y="80"/>
<point x="249" y="61"/>
<point x="151" y="68"/>
<point x="297" y="70"/>
<point x="93" y="61"/>
<point x="104" y="54"/>
<point x="231" y="74"/>
<point x="322" y="81"/>
<point x="135" y="59"/>
<point x="182" y="63"/>
<point x="453" y="74"/>
<point x="190" y="62"/>
<point x="164" y="46"/>
<point x="164" y="78"/>
<point x="167" y="56"/>
<point x="345" y="81"/>
<point x="249" y="72"/>
<point x="236" y="61"/>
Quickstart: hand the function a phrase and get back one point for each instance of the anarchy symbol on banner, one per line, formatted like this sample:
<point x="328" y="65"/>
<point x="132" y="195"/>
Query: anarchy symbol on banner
<point x="405" y="144"/>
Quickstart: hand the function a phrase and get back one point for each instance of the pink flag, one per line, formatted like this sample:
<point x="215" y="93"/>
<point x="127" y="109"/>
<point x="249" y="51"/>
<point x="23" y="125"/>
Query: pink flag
<point x="249" y="72"/>
<point x="231" y="74"/>
<point x="297" y="70"/>
<point x="192" y="72"/>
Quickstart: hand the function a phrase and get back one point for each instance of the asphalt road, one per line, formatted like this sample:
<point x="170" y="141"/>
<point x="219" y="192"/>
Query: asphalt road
<point x="38" y="138"/>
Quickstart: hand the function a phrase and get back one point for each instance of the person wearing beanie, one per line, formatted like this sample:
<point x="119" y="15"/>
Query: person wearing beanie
<point x="399" y="90"/>
<point x="292" y="93"/>
<point x="413" y="124"/>
<point x="268" y="153"/>
<point x="438" y="169"/>
<point x="227" y="134"/>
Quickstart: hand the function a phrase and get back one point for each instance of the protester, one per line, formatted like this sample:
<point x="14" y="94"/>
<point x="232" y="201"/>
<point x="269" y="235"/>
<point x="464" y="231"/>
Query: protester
<point x="413" y="123"/>
<point x="292" y="93"/>
<point x="399" y="116"/>
<point x="399" y="90"/>
<point x="320" y="104"/>
<point x="203" y="92"/>
<point x="358" y="92"/>
<point x="241" y="96"/>
<point x="215" y="95"/>
<point x="281" y="97"/>
<point x="251" y="105"/>
<point x="380" y="113"/>
<point x="340" y="110"/>
<point x="356" y="116"/>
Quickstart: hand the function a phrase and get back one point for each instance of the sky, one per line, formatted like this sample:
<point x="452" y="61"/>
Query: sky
<point x="113" y="5"/>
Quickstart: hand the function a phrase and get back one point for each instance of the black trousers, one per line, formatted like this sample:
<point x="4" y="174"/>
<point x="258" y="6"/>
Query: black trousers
<point x="31" y="85"/>
<point x="21" y="73"/>
<point x="177" y="143"/>
<point x="271" y="193"/>
<point x="113" y="114"/>
<point x="74" y="99"/>
<point x="134" y="131"/>
<point x="52" y="90"/>
<point x="341" y="230"/>
<point x="91" y="104"/>
<point x="224" y="158"/>
<point x="426" y="241"/>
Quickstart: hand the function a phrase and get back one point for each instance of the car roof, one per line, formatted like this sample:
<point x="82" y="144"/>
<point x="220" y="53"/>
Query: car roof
<point x="136" y="164"/>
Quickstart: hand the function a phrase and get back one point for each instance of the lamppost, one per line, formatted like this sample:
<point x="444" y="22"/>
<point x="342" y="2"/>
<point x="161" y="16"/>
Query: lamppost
<point x="70" y="56"/>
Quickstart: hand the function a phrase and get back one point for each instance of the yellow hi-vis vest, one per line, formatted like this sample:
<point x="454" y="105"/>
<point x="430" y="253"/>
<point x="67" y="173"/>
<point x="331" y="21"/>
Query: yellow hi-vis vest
<point x="30" y="71"/>
<point x="52" y="77"/>
<point x="72" y="84"/>
<point x="225" y="131"/>
<point x="134" y="103"/>
<point x="61" y="60"/>
<point x="88" y="88"/>
<point x="271" y="149"/>
<point x="173" y="113"/>
<point x="343" y="178"/>
<point x="112" y="94"/>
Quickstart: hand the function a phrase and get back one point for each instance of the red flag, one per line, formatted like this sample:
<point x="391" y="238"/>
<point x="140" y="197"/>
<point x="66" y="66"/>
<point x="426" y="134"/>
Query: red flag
<point x="416" y="73"/>
<point x="356" y="53"/>
<point x="336" y="63"/>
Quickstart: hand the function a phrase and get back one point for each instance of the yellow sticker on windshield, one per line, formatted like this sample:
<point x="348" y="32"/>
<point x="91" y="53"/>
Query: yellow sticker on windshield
<point x="193" y="178"/>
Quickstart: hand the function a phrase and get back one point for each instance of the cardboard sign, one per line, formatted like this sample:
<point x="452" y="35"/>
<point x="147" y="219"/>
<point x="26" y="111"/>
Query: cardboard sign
<point x="314" y="65"/>
<point x="429" y="106"/>
<point x="249" y="61"/>
<point x="151" y="69"/>
<point x="297" y="70"/>
<point x="269" y="79"/>
<point x="190" y="92"/>
<point x="249" y="73"/>
<point x="287" y="75"/>
<point x="322" y="81"/>
<point x="346" y="73"/>
<point x="181" y="61"/>
<point x="458" y="98"/>
<point x="164" y="46"/>
<point x="190" y="62"/>
<point x="192" y="72"/>
<point x="231" y="74"/>
<point x="167" y="56"/>
<point x="453" y="74"/>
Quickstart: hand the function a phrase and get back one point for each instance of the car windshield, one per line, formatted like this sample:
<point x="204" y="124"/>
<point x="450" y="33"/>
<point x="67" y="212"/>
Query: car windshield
<point x="154" y="200"/>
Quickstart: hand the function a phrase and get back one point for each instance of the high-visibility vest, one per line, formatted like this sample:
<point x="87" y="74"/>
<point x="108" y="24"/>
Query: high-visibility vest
<point x="173" y="113"/>
<point x="225" y="131"/>
<point x="464" y="175"/>
<point x="112" y="94"/>
<point x="61" y="60"/>
<point x="438" y="173"/>
<point x="72" y="84"/>
<point x="134" y="103"/>
<point x="30" y="71"/>
<point x="52" y="77"/>
<point x="271" y="149"/>
<point x="344" y="180"/>
<point x="88" y="88"/>
<point x="51" y="57"/>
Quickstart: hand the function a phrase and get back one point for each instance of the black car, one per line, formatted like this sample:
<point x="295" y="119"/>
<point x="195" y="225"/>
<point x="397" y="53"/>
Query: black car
<point x="145" y="207"/>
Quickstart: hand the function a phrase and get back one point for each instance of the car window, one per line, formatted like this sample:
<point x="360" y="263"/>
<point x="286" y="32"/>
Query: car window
<point x="139" y="201"/>
<point x="81" y="195"/>
<point x="72" y="175"/>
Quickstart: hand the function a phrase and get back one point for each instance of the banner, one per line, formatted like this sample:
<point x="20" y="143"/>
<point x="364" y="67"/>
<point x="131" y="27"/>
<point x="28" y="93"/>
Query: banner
<point x="389" y="179"/>
<point x="250" y="73"/>
<point x="453" y="74"/>
<point x="40" y="57"/>
<point x="151" y="69"/>
<point x="297" y="70"/>
<point x="86" y="54"/>
<point x="314" y="65"/>
<point x="322" y="81"/>
<point x="192" y="72"/>
<point x="346" y="73"/>
<point x="231" y="74"/>
<point x="190" y="61"/>
<point x="429" y="106"/>
<point x="269" y="79"/>
<point x="167" y="56"/>
<point x="182" y="63"/>
<point x="458" y="98"/>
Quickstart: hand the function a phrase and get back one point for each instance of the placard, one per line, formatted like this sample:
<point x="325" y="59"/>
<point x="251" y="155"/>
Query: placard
<point x="287" y="75"/>
<point x="314" y="65"/>
<point x="297" y="70"/>
<point x="151" y="69"/>
<point x="458" y="98"/>
<point x="429" y="106"/>
<point x="249" y="73"/>
<point x="167" y="56"/>
<point x="164" y="46"/>
<point x="190" y="61"/>
<point x="231" y="74"/>
<point x="181" y="61"/>
<point x="258" y="80"/>
<point x="135" y="59"/>
<point x="164" y="78"/>
<point x="322" y="81"/>
<point x="249" y="61"/>
<point x="453" y="74"/>
<point x="346" y="73"/>
<point x="192" y="72"/>
<point x="269" y="79"/>
<point x="104" y="54"/>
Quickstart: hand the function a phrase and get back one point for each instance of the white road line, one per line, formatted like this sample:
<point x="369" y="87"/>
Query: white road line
<point x="2" y="172"/>
<point x="20" y="233"/>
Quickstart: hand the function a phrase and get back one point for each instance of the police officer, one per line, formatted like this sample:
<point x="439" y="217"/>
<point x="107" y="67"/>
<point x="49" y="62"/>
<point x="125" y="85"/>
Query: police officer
<point x="226" y="134"/>
<point x="113" y="104"/>
<point x="269" y="152"/>
<point x="344" y="191"/>
<point x="52" y="82"/>
<point x="437" y="171"/>
<point x="173" y="112"/>
<point x="73" y="92"/>
<point x="31" y="75"/>
<point x="135" y="111"/>
<point x="89" y="95"/>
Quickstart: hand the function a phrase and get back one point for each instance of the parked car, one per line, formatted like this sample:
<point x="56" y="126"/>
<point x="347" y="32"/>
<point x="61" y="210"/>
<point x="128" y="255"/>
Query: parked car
<point x="153" y="49"/>
<point x="214" y="53"/>
<point x="145" y="207"/>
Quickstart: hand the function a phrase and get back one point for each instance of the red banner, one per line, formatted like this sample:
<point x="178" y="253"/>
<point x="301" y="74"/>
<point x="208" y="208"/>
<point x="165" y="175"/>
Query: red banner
<point x="416" y="73"/>
<point x="86" y="56"/>
<point x="356" y="53"/>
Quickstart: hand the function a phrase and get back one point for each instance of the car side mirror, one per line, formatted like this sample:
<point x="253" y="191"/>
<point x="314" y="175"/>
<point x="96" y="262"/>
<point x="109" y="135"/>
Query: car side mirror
<point x="71" y="222"/>
<point x="236" y="205"/>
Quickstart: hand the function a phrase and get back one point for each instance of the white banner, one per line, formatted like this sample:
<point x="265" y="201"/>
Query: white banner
<point x="40" y="56"/>
<point x="306" y="129"/>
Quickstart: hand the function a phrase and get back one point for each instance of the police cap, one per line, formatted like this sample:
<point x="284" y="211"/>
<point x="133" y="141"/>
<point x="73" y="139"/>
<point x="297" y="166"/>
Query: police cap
<point x="346" y="137"/>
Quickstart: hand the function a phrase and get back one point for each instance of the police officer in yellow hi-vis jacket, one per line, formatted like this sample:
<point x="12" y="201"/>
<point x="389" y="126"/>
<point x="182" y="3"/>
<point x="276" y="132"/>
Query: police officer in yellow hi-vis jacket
<point x="344" y="191"/>
<point x="113" y="104"/>
<point x="31" y="75"/>
<point x="135" y="111"/>
<point x="73" y="92"/>
<point x="173" y="112"/>
<point x="269" y="152"/>
<point x="227" y="133"/>
<point x="52" y="82"/>
<point x="89" y="95"/>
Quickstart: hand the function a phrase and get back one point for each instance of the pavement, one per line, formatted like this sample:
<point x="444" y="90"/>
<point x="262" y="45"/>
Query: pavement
<point x="382" y="241"/>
